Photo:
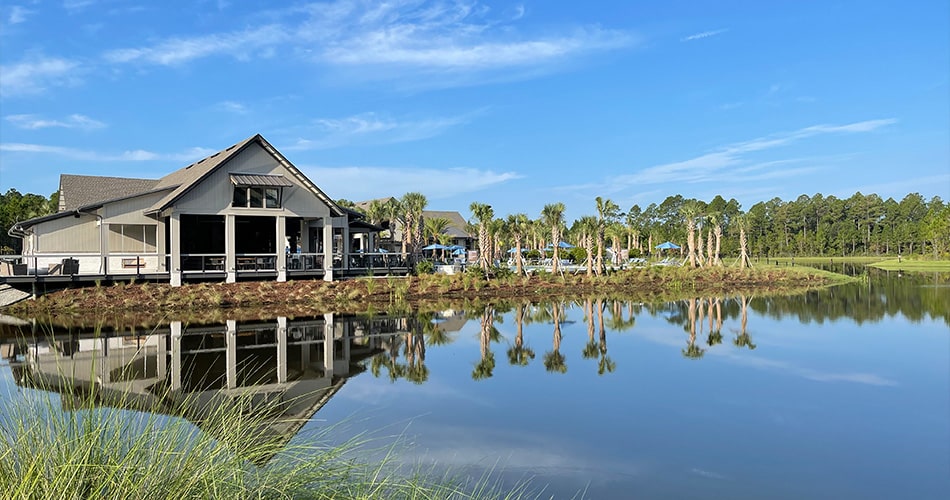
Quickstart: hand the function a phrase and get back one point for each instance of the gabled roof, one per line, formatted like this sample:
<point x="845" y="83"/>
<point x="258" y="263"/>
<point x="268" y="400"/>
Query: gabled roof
<point x="85" y="192"/>
<point x="77" y="191"/>
<point x="187" y="178"/>
<point x="456" y="226"/>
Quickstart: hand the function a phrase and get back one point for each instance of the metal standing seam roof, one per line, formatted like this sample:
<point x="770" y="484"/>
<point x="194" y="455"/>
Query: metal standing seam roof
<point x="260" y="180"/>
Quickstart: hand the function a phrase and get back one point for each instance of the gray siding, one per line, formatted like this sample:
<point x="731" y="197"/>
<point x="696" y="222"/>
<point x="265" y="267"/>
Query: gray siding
<point x="68" y="235"/>
<point x="213" y="195"/>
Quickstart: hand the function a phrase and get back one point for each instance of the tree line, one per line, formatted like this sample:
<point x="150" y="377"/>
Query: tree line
<point x="707" y="231"/>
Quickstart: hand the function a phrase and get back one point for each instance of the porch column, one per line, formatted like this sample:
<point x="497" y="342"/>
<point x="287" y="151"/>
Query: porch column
<point x="230" y="354"/>
<point x="103" y="246"/>
<point x="175" y="251"/>
<point x="230" y="243"/>
<point x="281" y="349"/>
<point x="328" y="248"/>
<point x="176" y="355"/>
<point x="282" y="248"/>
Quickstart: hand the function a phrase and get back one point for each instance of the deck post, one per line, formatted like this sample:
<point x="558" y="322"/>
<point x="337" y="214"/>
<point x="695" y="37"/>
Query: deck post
<point x="281" y="253"/>
<point x="328" y="249"/>
<point x="175" y="251"/>
<point x="230" y="242"/>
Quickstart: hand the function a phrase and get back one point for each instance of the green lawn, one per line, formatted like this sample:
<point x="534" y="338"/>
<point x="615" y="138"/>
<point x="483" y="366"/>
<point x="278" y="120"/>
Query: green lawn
<point x="886" y="263"/>
<point x="936" y="266"/>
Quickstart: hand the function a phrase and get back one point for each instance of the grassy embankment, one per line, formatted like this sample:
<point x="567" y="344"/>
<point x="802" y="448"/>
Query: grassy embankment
<point x="103" y="452"/>
<point x="915" y="264"/>
<point x="141" y="303"/>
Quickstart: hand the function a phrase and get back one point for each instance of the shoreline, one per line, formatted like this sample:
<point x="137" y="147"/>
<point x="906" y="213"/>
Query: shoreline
<point x="147" y="304"/>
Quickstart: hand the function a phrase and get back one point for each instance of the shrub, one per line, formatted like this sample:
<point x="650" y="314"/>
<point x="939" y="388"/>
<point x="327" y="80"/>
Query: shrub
<point x="424" y="267"/>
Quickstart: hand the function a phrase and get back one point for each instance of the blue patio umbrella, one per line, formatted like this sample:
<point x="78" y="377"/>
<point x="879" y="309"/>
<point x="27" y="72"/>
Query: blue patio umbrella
<point x="435" y="246"/>
<point x="667" y="245"/>
<point x="562" y="244"/>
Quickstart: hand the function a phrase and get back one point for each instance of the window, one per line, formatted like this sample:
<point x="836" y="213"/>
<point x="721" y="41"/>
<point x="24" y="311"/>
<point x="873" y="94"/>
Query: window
<point x="132" y="238"/>
<point x="256" y="197"/>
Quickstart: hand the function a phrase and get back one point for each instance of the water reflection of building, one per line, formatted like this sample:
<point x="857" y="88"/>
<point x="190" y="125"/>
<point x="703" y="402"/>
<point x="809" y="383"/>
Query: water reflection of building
<point x="296" y="365"/>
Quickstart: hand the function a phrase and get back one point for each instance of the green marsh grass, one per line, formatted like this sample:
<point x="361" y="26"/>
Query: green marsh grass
<point x="72" y="446"/>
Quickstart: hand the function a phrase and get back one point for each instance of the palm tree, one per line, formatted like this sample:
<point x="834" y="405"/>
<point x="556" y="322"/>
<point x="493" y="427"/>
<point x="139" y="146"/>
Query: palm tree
<point x="434" y="229"/>
<point x="553" y="216"/>
<point x="743" y="222"/>
<point x="520" y="354"/>
<point x="496" y="233"/>
<point x="412" y="206"/>
<point x="607" y="210"/>
<point x="585" y="230"/>
<point x="616" y="232"/>
<point x="482" y="213"/>
<point x="518" y="228"/>
<point x="690" y="211"/>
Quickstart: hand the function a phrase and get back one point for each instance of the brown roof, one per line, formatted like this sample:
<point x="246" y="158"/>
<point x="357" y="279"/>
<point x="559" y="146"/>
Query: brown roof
<point x="76" y="191"/>
<point x="456" y="226"/>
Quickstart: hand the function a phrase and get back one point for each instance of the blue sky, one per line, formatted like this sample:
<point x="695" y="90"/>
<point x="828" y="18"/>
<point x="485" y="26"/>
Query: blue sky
<point x="512" y="104"/>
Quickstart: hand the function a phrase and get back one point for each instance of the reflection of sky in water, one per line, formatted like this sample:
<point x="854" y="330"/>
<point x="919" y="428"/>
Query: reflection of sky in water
<point x="831" y="410"/>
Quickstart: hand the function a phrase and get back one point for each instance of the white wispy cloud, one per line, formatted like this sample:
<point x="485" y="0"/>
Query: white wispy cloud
<point x="34" y="76"/>
<point x="369" y="128"/>
<point x="408" y="34"/>
<point x="232" y="107"/>
<point x="704" y="34"/>
<point x="711" y="166"/>
<point x="72" y="5"/>
<point x="173" y="51"/>
<point x="74" y="121"/>
<point x="133" y="155"/>
<point x="364" y="183"/>
<point x="18" y="14"/>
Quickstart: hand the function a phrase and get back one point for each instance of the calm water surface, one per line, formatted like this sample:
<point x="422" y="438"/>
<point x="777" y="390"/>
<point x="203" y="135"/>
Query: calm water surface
<point x="842" y="393"/>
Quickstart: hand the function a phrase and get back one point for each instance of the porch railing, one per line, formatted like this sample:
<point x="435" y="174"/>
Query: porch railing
<point x="203" y="262"/>
<point x="303" y="262"/>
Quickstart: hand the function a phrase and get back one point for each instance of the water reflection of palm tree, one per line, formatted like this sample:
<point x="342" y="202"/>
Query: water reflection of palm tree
<point x="605" y="364"/>
<point x="692" y="351"/>
<point x="486" y="365"/>
<point x="416" y="372"/>
<point x="389" y="360"/>
<point x="715" y="330"/>
<point x="554" y="360"/>
<point x="617" y="323"/>
<point x="520" y="354"/>
<point x="743" y="339"/>
<point x="590" y="349"/>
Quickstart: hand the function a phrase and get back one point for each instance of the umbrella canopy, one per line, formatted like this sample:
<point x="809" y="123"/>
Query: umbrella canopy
<point x="667" y="245"/>
<point x="562" y="244"/>
<point x="458" y="251"/>
<point x="435" y="246"/>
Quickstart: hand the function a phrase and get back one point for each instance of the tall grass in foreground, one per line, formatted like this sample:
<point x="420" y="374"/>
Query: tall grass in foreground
<point x="104" y="452"/>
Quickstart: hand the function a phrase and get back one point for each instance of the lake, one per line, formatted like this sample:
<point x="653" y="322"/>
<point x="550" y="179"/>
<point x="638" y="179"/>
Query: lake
<point x="838" y="393"/>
